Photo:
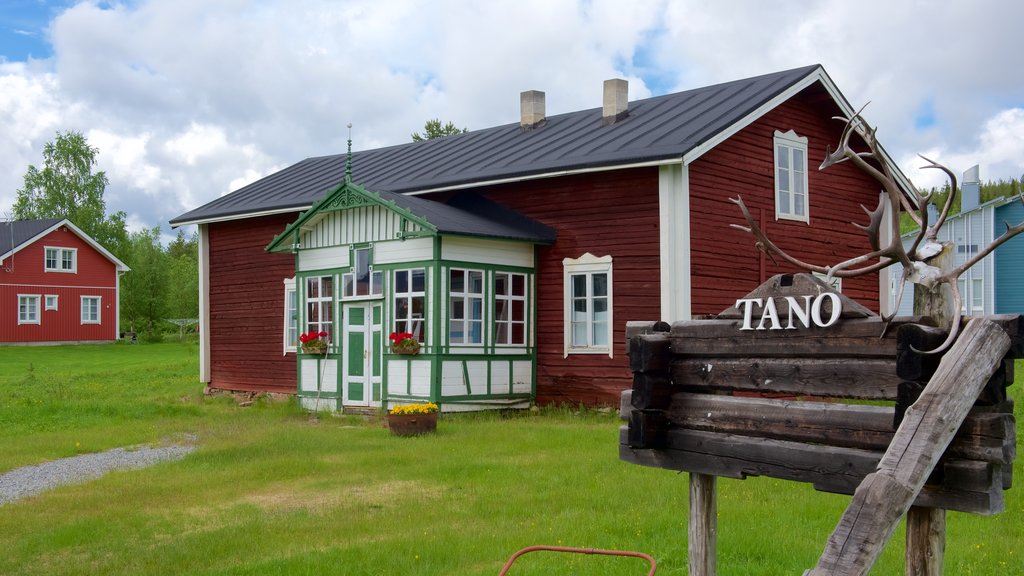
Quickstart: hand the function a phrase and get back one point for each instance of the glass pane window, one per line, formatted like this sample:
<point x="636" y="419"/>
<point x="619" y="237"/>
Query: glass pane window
<point x="28" y="309"/>
<point x="320" y="304"/>
<point x="466" y="306"/>
<point x="410" y="302"/>
<point x="510" y="308"/>
<point x="291" y="315"/>
<point x="362" y="280"/>
<point x="59" y="259"/>
<point x="90" y="309"/>
<point x="791" y="176"/>
<point x="588" y="305"/>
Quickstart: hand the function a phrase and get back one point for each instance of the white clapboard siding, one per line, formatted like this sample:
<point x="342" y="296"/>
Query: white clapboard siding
<point x="497" y="252"/>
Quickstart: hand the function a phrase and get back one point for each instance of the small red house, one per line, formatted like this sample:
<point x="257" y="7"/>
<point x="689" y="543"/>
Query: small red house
<point x="516" y="254"/>
<point x="57" y="285"/>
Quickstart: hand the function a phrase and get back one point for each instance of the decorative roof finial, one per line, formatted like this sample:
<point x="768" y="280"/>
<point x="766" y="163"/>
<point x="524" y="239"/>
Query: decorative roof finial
<point x="348" y="161"/>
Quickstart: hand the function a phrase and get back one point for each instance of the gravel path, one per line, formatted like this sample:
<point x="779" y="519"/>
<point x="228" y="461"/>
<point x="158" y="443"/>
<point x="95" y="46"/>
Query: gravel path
<point x="30" y="480"/>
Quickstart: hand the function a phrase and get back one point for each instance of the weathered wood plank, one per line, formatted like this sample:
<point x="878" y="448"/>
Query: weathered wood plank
<point x="983" y="436"/>
<point x="873" y="378"/>
<point x="836" y="470"/>
<point x="926" y="431"/>
<point x="649" y="353"/>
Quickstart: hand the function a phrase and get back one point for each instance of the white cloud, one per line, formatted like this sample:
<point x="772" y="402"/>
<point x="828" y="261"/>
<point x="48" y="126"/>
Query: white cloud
<point x="189" y="99"/>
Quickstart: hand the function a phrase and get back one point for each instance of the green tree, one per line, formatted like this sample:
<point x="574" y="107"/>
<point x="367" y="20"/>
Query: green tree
<point x="433" y="129"/>
<point x="144" y="293"/>
<point x="67" y="187"/>
<point x="183" y="276"/>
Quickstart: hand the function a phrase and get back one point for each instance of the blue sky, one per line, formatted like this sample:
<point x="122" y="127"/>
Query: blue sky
<point x="187" y="100"/>
<point x="23" y="26"/>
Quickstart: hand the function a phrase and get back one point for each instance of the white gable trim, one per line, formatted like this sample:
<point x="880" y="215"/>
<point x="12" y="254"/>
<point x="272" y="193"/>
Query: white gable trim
<point x="120" y="266"/>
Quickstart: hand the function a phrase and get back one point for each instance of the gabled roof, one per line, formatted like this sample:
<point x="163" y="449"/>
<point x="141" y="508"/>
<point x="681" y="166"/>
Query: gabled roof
<point x="671" y="128"/>
<point x="465" y="215"/>
<point x="19" y="234"/>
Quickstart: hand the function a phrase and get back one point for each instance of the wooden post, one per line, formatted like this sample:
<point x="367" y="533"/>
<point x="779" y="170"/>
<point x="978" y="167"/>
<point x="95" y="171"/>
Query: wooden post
<point x="884" y="496"/>
<point x="703" y="525"/>
<point x="926" y="527"/>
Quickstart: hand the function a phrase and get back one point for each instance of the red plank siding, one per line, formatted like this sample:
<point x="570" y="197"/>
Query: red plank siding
<point x="607" y="213"/>
<point x="725" y="264"/>
<point x="24" y="273"/>
<point x="247" y="306"/>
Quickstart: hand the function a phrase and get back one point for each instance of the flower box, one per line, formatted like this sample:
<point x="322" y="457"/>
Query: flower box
<point x="314" y="342"/>
<point x="404" y="343"/>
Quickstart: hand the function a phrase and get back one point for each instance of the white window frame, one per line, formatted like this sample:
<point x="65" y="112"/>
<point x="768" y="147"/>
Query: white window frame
<point x="792" y="177"/>
<point x="362" y="267"/>
<point x="83" y="308"/>
<point x="50" y="302"/>
<point x="324" y="322"/>
<point x="410" y="321"/>
<point x="587" y="265"/>
<point x="470" y="300"/>
<point x="32" y="314"/>
<point x="291" y="316"/>
<point x="505" y="324"/>
<point x="59" y="259"/>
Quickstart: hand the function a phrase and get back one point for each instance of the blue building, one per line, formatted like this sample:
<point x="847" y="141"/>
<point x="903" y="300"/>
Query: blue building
<point x="995" y="285"/>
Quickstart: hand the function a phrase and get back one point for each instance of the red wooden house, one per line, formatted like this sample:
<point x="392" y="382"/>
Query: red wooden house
<point x="57" y="285"/>
<point x="516" y="254"/>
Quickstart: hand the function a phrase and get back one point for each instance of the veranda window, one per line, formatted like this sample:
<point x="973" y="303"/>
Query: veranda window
<point x="362" y="280"/>
<point x="320" y="304"/>
<point x="466" y="306"/>
<point x="510" y="308"/>
<point x="410" y="302"/>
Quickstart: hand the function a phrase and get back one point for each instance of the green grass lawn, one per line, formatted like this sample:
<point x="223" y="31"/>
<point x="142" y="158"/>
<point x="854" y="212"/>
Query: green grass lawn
<point x="270" y="491"/>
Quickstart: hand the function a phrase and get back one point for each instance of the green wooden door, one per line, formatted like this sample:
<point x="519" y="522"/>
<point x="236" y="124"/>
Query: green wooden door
<point x="361" y="374"/>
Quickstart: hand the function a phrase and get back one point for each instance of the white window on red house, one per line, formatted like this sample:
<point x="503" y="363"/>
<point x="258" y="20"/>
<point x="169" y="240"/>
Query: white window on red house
<point x="465" y="306"/>
<point x="320" y="304"/>
<point x="510" y="308"/>
<point x="50" y="303"/>
<point x="28" y="308"/>
<point x="60" y="259"/>
<point x="291" y="316"/>
<point x="410" y="302"/>
<point x="791" y="201"/>
<point x="91" y="309"/>
<point x="588" y="305"/>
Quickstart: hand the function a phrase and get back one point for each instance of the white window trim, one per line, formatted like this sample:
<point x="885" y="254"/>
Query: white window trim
<point x="60" y="259"/>
<point x="588" y="263"/>
<point x="46" y="302"/>
<point x="99" y="309"/>
<point x="289" y="286"/>
<point x="38" y="311"/>
<point x="790" y="139"/>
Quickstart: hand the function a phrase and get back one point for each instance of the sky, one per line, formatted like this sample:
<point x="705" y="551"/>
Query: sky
<point x="187" y="100"/>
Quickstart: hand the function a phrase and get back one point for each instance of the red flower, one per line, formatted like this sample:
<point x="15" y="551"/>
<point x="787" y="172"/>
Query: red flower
<point x="397" y="337"/>
<point x="312" y="335"/>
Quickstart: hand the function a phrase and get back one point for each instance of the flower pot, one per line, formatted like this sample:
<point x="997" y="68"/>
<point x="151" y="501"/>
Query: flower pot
<point x="412" y="424"/>
<point x="318" y="347"/>
<point x="406" y="347"/>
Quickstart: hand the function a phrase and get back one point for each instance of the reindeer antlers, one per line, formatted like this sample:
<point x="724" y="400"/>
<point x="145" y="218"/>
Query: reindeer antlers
<point x="915" y="261"/>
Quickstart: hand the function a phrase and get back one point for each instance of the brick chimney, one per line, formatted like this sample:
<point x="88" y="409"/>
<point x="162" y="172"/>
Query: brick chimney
<point x="616" y="101"/>
<point x="531" y="104"/>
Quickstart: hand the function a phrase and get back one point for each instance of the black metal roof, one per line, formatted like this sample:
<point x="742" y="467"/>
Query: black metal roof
<point x="14" y="234"/>
<point x="659" y="128"/>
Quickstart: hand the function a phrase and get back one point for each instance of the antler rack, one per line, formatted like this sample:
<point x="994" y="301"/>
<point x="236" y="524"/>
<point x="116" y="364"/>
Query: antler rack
<point x="916" y="260"/>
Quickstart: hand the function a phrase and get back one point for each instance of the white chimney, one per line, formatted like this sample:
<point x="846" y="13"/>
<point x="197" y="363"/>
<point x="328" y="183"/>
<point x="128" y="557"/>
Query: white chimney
<point x="616" y="100"/>
<point x="531" y="104"/>
<point x="970" y="189"/>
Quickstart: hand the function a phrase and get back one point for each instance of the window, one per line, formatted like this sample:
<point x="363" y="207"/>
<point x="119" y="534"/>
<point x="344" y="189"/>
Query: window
<point x="466" y="306"/>
<point x="410" y="302"/>
<point x="510" y="308"/>
<point x="790" y="176"/>
<point x="50" y="303"/>
<point x="588" y="305"/>
<point x="28" y="308"/>
<point x="362" y="280"/>
<point x="291" y="316"/>
<point x="60" y="259"/>
<point x="319" y="304"/>
<point x="90" y="309"/>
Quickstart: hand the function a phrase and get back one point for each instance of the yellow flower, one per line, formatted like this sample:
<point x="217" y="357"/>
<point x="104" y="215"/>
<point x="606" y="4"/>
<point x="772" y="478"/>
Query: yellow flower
<point x="419" y="408"/>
